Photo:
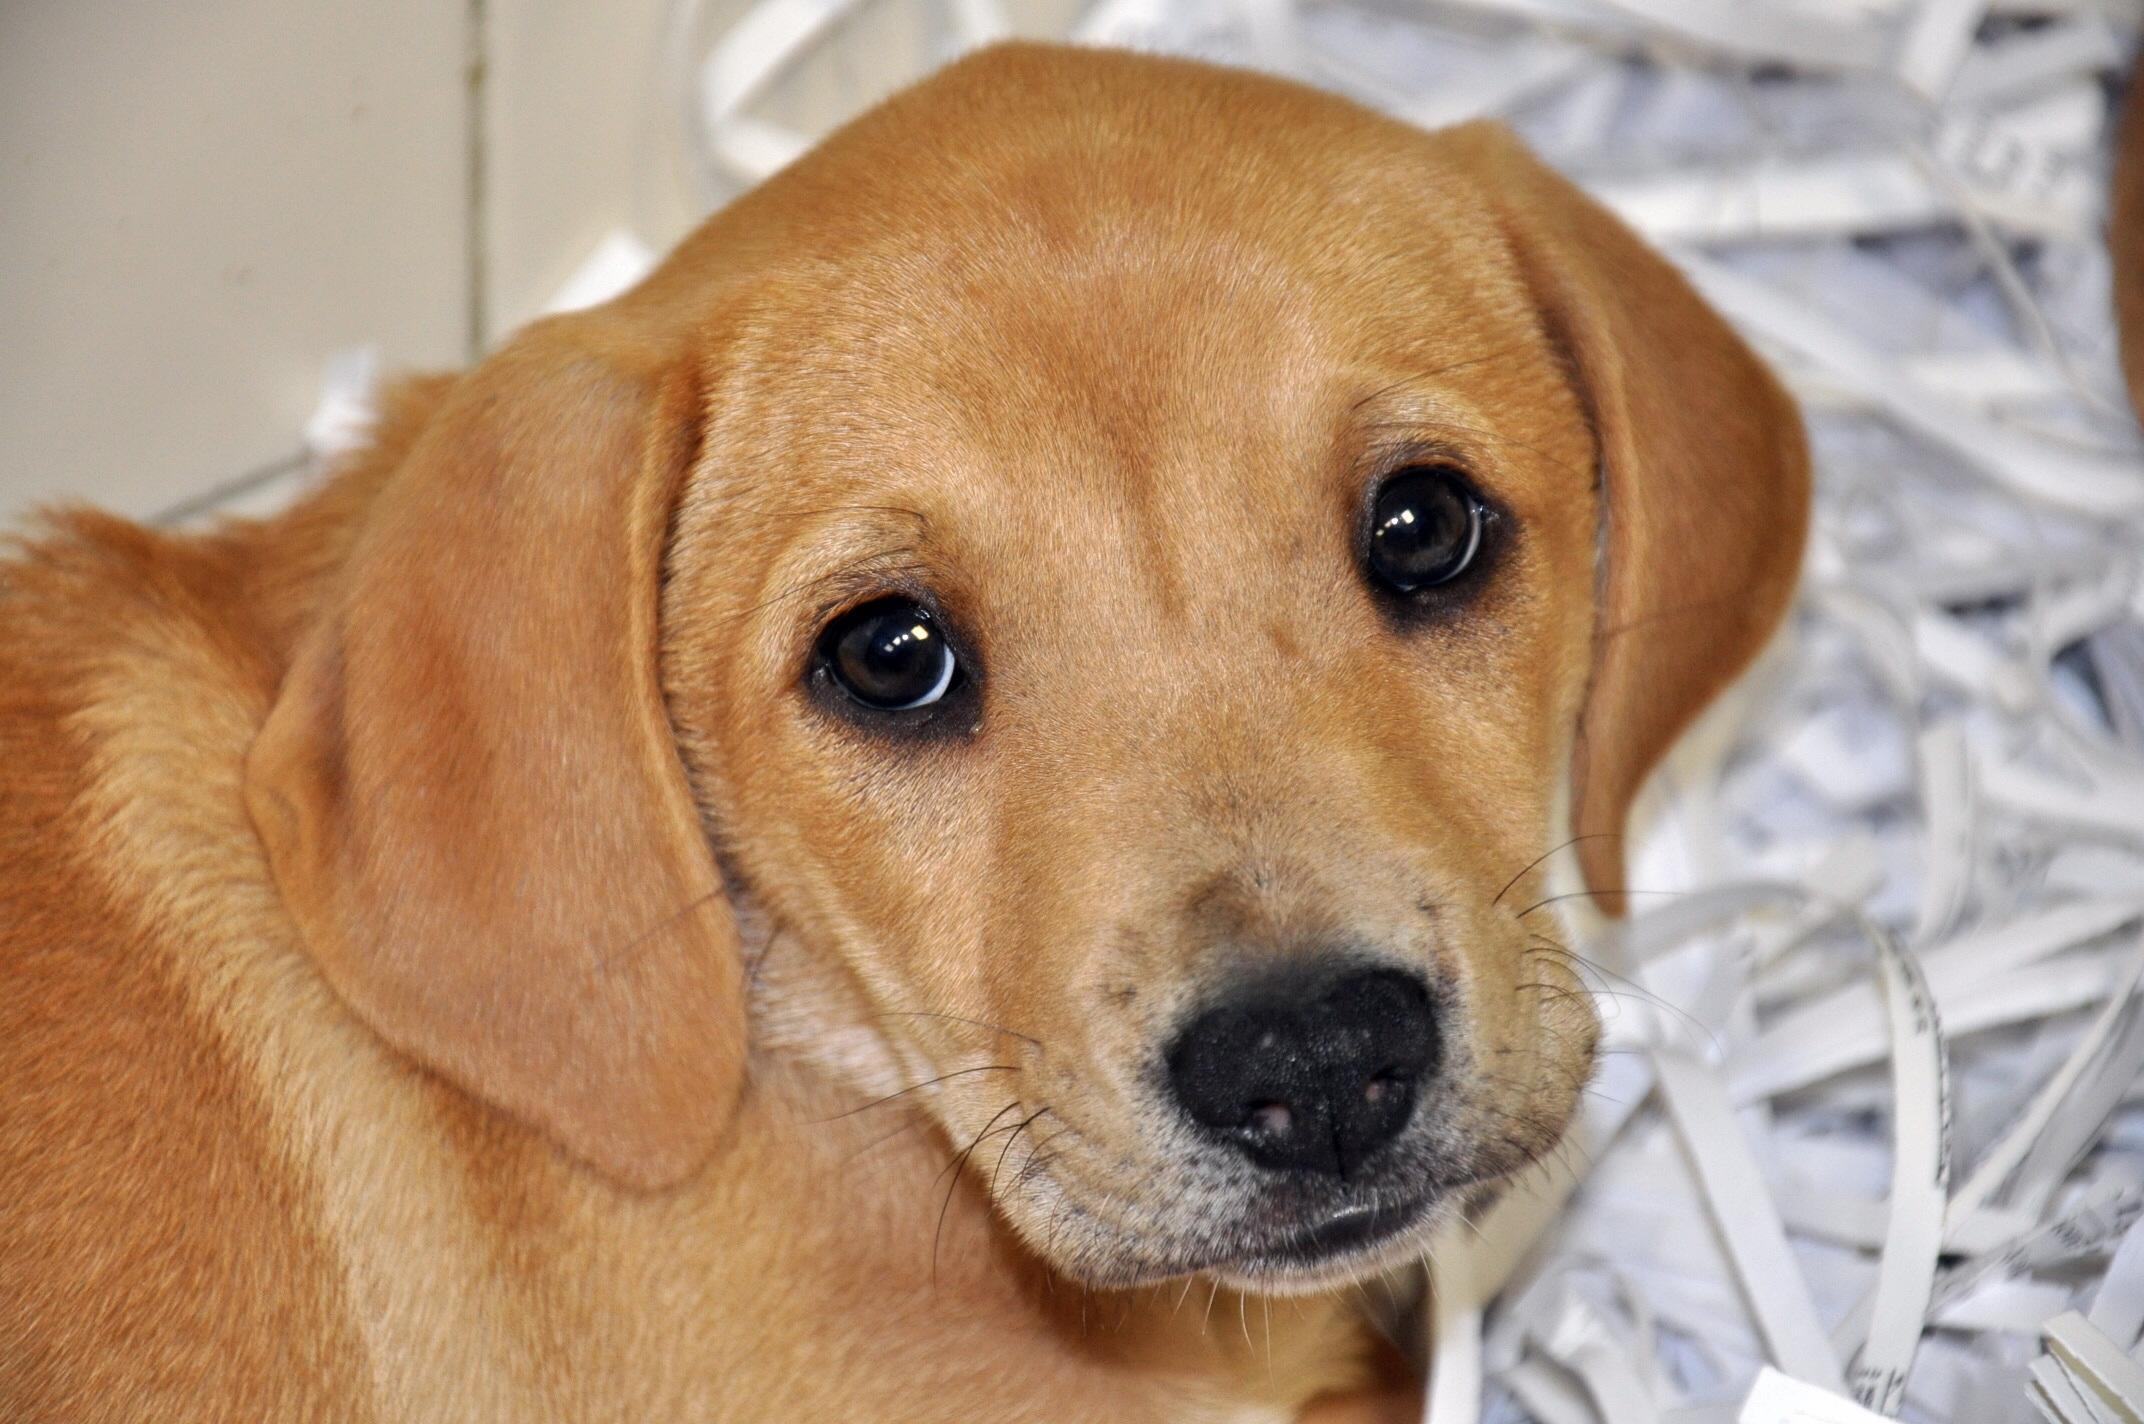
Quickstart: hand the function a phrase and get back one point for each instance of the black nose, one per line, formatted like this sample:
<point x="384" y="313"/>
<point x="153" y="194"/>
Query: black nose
<point x="1311" y="1071"/>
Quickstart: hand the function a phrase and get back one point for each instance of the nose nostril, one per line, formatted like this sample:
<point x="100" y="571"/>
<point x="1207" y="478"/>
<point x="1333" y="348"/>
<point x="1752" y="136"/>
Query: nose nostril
<point x="1384" y="1087"/>
<point x="1314" y="1072"/>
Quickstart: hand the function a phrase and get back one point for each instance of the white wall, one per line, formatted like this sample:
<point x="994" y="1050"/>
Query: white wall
<point x="201" y="202"/>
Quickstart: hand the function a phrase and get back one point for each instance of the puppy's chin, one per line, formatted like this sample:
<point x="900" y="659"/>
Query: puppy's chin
<point x="1347" y="1249"/>
<point x="1344" y="1242"/>
<point x="1339" y="1247"/>
<point x="1367" y="1243"/>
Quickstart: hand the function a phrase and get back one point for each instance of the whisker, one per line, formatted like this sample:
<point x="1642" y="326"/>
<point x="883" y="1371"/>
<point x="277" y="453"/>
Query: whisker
<point x="1041" y="1146"/>
<point x="958" y="1164"/>
<point x="1007" y="1148"/>
<point x="1480" y="433"/>
<point x="1382" y="391"/>
<point x="1460" y="365"/>
<point x="1672" y="610"/>
<point x="884" y="561"/>
<point x="759" y="962"/>
<point x="915" y="1087"/>
<point x="901" y="509"/>
<point x="877" y="1142"/>
<point x="962" y="1018"/>
<point x="1551" y="949"/>
<point x="604" y="961"/>
<point x="1589" y="894"/>
<point x="1593" y="836"/>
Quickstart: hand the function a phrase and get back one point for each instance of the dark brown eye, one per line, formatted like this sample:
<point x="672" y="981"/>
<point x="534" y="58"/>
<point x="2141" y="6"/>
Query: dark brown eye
<point x="889" y="655"/>
<point x="1425" y="528"/>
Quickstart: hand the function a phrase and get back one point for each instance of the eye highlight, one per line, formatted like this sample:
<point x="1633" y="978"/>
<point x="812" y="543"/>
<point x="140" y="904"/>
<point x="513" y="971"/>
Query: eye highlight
<point x="1426" y="527"/>
<point x="891" y="655"/>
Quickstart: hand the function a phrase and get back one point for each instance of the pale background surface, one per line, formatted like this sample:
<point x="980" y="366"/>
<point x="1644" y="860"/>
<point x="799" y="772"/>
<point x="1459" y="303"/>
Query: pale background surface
<point x="200" y="203"/>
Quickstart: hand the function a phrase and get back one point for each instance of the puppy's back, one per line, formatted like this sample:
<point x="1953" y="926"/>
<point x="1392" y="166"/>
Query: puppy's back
<point x="151" y="1264"/>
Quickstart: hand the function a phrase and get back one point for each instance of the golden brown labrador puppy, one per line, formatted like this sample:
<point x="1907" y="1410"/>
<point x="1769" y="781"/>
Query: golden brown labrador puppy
<point x="936" y="814"/>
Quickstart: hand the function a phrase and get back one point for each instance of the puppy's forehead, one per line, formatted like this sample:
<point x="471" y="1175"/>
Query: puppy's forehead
<point x="1101" y="326"/>
<point x="1133" y="315"/>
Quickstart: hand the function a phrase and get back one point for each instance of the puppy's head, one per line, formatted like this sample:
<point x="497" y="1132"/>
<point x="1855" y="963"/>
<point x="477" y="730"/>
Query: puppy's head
<point x="1131" y="566"/>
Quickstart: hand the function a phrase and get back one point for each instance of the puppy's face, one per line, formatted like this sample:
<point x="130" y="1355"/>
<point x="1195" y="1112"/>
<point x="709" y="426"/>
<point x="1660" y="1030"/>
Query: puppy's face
<point x="1132" y="566"/>
<point x="1131" y="619"/>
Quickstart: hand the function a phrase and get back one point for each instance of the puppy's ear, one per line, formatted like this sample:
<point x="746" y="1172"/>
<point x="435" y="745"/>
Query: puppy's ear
<point x="468" y="787"/>
<point x="1703" y="472"/>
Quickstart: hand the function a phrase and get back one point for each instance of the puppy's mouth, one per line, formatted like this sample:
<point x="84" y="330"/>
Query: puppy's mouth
<point x="1342" y="1241"/>
<point x="1289" y="1235"/>
<point x="1348" y="1229"/>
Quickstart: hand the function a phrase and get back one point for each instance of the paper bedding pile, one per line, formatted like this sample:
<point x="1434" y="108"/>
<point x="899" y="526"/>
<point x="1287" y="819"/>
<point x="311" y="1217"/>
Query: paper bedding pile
<point x="1869" y="1125"/>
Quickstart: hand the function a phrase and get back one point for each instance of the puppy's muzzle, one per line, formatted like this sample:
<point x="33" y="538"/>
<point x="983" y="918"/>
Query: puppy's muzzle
<point x="1312" y="1070"/>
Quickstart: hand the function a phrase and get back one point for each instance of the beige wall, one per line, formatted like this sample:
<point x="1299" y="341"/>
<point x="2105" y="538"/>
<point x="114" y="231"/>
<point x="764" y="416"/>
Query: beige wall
<point x="198" y="202"/>
<point x="201" y="202"/>
<point x="583" y="131"/>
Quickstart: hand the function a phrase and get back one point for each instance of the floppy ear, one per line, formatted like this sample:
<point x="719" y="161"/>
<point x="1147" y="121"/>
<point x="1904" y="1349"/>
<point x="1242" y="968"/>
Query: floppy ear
<point x="468" y="788"/>
<point x="1703" y="471"/>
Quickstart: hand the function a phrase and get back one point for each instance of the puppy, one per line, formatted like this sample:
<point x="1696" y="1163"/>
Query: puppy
<point x="939" y="813"/>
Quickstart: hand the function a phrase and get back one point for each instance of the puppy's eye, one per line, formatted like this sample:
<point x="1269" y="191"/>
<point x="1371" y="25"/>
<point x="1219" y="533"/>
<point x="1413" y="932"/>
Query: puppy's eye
<point x="890" y="655"/>
<point x="1425" y="528"/>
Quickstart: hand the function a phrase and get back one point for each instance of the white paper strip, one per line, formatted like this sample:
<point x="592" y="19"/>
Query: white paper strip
<point x="1920" y="1182"/>
<point x="1748" y="1222"/>
<point x="2094" y="1362"/>
<point x="1777" y="1399"/>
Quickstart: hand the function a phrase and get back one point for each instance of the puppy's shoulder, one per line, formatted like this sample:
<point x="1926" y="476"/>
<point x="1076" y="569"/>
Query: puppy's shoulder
<point x="150" y="1256"/>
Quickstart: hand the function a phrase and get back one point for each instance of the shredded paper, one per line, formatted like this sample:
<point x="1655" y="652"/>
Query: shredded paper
<point x="1867" y="1139"/>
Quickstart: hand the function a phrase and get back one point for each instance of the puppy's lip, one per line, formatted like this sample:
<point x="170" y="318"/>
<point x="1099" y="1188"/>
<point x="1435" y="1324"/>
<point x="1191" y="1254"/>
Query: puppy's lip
<point x="1332" y="1247"/>
<point x="1339" y="1245"/>
<point x="1346" y="1229"/>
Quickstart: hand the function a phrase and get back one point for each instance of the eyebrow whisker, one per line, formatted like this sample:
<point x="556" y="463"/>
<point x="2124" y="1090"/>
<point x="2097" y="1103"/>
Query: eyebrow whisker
<point x="1523" y="344"/>
<point x="860" y="569"/>
<point x="1433" y="424"/>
